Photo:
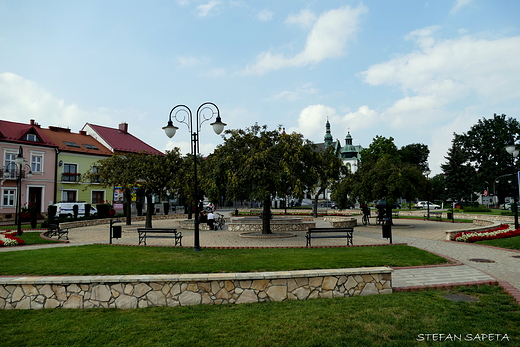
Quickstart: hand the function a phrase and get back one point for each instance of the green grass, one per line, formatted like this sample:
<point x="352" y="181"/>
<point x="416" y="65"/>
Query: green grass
<point x="117" y="260"/>
<point x="33" y="238"/>
<point x="510" y="242"/>
<point x="14" y="227"/>
<point x="396" y="319"/>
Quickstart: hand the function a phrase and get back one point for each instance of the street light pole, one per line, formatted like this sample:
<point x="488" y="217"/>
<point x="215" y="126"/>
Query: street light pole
<point x="427" y="173"/>
<point x="18" y="173"/>
<point x="170" y="131"/>
<point x="511" y="149"/>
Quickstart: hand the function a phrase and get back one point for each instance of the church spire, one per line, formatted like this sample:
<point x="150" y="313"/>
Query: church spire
<point x="328" y="136"/>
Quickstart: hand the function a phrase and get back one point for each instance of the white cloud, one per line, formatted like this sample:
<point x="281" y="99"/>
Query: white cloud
<point x="305" y="19"/>
<point x="22" y="100"/>
<point x="327" y="39"/>
<point x="291" y="95"/>
<point x="446" y="72"/>
<point x="265" y="15"/>
<point x="459" y="4"/>
<point x="312" y="119"/>
<point x="204" y="10"/>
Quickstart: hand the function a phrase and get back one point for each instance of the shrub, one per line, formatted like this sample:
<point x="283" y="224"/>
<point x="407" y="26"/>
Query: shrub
<point x="480" y="208"/>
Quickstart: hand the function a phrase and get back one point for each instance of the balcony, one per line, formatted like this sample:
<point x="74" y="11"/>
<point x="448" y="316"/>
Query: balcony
<point x="70" y="177"/>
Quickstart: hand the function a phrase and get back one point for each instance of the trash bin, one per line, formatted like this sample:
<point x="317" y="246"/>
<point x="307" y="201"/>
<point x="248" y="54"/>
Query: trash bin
<point x="116" y="231"/>
<point x="387" y="229"/>
<point x="450" y="215"/>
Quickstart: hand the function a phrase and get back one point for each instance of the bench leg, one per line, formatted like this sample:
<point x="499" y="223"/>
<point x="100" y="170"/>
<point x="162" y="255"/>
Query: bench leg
<point x="308" y="241"/>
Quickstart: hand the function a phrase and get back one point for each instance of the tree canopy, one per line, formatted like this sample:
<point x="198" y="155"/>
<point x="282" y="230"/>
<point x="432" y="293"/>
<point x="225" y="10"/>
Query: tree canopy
<point x="385" y="172"/>
<point x="477" y="158"/>
<point x="261" y="164"/>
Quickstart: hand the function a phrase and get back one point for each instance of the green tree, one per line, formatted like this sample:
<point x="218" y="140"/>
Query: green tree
<point x="259" y="164"/>
<point x="384" y="174"/>
<point x="478" y="156"/>
<point x="151" y="173"/>
<point x="327" y="169"/>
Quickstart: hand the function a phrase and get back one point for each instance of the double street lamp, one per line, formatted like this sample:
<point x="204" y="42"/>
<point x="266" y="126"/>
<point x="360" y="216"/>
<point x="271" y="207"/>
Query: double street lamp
<point x="511" y="149"/>
<point x="205" y="112"/>
<point x="18" y="170"/>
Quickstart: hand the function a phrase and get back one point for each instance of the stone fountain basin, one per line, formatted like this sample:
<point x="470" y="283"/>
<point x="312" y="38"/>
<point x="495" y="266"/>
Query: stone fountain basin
<point x="278" y="224"/>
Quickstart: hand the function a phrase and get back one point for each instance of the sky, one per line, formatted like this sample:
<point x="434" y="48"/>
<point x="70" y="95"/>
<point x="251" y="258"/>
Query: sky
<point x="416" y="71"/>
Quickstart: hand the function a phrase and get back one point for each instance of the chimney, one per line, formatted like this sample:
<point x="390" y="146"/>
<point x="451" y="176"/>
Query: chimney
<point x="123" y="127"/>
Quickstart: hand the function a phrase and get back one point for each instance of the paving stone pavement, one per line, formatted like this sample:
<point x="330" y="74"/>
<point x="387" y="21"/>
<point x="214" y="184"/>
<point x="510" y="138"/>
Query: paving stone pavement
<point x="501" y="265"/>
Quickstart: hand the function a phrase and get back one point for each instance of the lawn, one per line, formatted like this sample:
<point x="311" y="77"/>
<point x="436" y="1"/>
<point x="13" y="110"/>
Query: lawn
<point x="119" y="260"/>
<point x="398" y="319"/>
<point x="510" y="243"/>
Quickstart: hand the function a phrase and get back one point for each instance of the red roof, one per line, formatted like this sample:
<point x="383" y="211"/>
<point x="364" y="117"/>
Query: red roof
<point x="78" y="143"/>
<point x="120" y="140"/>
<point x="15" y="132"/>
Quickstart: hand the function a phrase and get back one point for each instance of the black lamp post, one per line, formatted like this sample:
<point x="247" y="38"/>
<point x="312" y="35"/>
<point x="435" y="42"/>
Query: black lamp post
<point x="511" y="149"/>
<point x="18" y="169"/>
<point x="201" y="117"/>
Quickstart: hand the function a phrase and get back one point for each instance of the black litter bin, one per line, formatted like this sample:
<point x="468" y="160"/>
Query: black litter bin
<point x="450" y="215"/>
<point x="116" y="231"/>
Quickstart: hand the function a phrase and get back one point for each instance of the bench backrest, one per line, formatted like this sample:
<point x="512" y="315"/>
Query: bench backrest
<point x="318" y="230"/>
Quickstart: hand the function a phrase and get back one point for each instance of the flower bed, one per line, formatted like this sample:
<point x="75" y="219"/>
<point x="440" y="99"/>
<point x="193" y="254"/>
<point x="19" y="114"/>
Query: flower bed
<point x="8" y="238"/>
<point x="503" y="231"/>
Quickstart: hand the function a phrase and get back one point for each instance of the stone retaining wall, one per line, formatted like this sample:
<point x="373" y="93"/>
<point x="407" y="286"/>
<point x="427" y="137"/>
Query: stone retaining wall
<point x="341" y="222"/>
<point x="275" y="228"/>
<point x="91" y="222"/>
<point x="135" y="291"/>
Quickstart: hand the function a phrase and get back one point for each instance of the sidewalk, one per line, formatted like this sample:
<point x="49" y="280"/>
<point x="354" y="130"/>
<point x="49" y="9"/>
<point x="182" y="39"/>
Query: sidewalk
<point x="477" y="264"/>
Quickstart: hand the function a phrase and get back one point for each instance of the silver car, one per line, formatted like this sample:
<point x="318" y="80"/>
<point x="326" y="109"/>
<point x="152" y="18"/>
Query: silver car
<point x="425" y="204"/>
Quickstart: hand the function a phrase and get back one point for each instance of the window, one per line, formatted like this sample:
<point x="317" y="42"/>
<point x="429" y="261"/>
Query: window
<point x="98" y="197"/>
<point x="9" y="158"/>
<point x="95" y="171"/>
<point x="87" y="146"/>
<point x="8" y="196"/>
<point x="71" y="144"/>
<point x="70" y="173"/>
<point x="36" y="162"/>
<point x="68" y="196"/>
<point x="31" y="137"/>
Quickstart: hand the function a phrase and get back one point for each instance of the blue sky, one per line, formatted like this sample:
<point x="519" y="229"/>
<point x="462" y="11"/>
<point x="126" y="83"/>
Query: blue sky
<point x="417" y="71"/>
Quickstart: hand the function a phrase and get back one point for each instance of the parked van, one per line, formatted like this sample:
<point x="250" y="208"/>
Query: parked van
<point x="67" y="208"/>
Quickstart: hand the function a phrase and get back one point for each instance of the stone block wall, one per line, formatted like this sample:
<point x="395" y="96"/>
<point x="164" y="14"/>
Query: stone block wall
<point x="275" y="228"/>
<point x="135" y="291"/>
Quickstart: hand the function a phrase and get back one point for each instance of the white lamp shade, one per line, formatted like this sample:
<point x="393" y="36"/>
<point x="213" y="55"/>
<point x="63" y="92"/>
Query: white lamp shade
<point x="218" y="127"/>
<point x="170" y="130"/>
<point x="510" y="148"/>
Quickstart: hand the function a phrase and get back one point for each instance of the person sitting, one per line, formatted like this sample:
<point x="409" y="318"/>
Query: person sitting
<point x="211" y="220"/>
<point x="203" y="218"/>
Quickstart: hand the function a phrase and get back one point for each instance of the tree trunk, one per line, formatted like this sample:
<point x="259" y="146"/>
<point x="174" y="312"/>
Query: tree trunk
<point x="266" y="217"/>
<point x="149" y="211"/>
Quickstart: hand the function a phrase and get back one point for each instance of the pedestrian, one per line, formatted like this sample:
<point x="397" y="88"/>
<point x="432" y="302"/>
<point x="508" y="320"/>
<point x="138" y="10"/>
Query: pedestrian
<point x="211" y="220"/>
<point x="203" y="218"/>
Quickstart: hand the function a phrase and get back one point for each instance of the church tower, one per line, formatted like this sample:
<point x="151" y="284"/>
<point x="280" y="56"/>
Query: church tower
<point x="328" y="137"/>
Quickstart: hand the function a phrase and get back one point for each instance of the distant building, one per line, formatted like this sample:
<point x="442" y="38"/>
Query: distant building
<point x="76" y="155"/>
<point x="349" y="153"/>
<point x="40" y="157"/>
<point x="119" y="140"/>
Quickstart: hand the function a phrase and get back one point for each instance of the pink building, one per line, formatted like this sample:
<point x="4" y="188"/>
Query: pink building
<point x="40" y="159"/>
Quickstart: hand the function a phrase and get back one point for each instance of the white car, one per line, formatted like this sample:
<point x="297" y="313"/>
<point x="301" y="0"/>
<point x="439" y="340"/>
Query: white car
<point x="424" y="205"/>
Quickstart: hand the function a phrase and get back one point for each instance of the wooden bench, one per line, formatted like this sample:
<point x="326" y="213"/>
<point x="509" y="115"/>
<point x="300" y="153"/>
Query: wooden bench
<point x="171" y="233"/>
<point x="55" y="230"/>
<point x="436" y="215"/>
<point x="345" y="233"/>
